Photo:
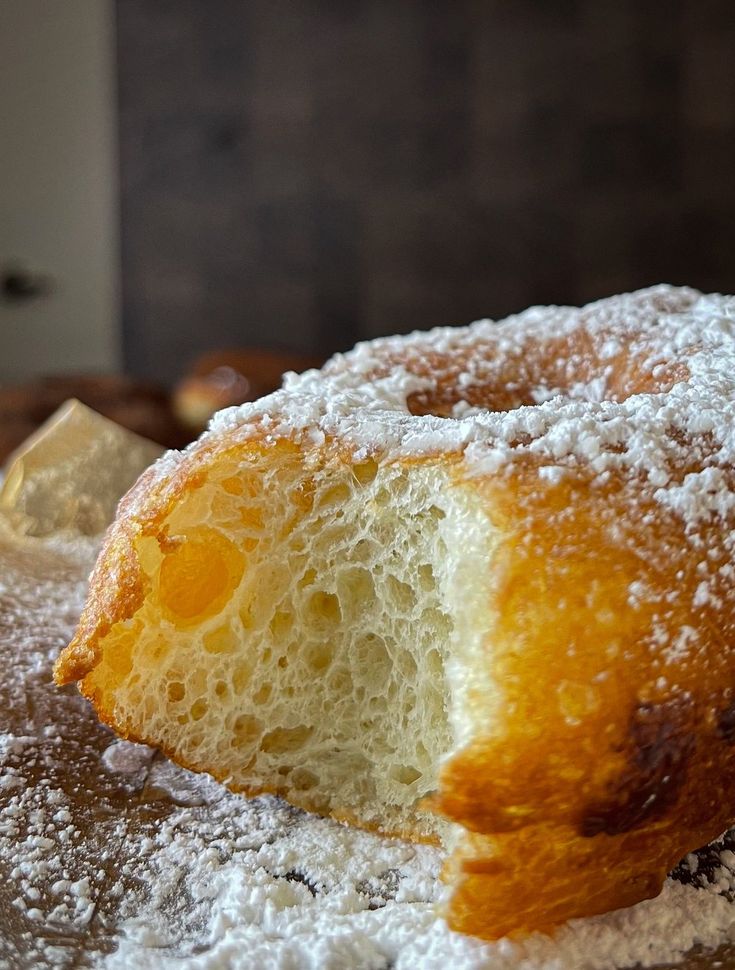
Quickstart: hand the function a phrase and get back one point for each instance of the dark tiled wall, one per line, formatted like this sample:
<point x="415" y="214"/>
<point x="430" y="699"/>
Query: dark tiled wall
<point x="303" y="173"/>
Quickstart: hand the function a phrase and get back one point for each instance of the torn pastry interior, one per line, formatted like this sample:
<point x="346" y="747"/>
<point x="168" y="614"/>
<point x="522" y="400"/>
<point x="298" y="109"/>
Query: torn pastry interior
<point x="473" y="585"/>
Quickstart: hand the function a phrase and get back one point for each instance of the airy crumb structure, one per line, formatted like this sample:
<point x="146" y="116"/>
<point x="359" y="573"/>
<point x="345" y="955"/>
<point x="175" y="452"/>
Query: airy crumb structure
<point x="296" y="629"/>
<point x="475" y="584"/>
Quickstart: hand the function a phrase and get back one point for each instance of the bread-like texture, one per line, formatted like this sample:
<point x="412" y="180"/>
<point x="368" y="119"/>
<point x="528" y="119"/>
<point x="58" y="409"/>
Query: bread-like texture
<point x="339" y="575"/>
<point x="516" y="656"/>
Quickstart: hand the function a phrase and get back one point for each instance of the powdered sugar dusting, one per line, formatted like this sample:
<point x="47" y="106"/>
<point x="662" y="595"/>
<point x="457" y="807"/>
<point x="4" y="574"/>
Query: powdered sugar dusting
<point x="112" y="856"/>
<point x="637" y="390"/>
<point x="319" y="895"/>
<point x="646" y="389"/>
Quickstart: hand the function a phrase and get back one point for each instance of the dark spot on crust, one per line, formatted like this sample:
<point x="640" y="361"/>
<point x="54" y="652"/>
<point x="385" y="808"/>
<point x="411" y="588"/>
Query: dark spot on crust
<point x="726" y="724"/>
<point x="659" y="748"/>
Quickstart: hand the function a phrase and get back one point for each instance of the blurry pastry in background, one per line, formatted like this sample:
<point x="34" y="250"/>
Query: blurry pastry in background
<point x="196" y="398"/>
<point x="221" y="379"/>
<point x="217" y="380"/>
<point x="137" y="405"/>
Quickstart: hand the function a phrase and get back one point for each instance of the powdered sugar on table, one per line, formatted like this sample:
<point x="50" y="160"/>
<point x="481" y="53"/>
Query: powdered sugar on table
<point x="112" y="857"/>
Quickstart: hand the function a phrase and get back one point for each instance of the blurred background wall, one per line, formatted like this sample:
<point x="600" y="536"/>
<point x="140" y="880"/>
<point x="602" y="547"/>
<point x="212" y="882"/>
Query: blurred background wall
<point x="306" y="173"/>
<point x="180" y="176"/>
<point x="59" y="267"/>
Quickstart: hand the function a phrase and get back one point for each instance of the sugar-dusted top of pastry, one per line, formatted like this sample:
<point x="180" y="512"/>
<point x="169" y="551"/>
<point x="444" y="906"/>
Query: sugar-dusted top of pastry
<point x="641" y="384"/>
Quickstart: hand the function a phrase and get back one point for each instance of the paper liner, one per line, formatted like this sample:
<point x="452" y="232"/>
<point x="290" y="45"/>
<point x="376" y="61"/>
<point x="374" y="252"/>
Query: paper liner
<point x="70" y="474"/>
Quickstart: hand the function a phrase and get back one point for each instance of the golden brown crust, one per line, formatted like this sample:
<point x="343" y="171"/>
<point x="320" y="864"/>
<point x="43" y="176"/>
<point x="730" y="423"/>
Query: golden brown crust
<point x="116" y="585"/>
<point x="615" y="749"/>
<point x="607" y="772"/>
<point x="621" y="774"/>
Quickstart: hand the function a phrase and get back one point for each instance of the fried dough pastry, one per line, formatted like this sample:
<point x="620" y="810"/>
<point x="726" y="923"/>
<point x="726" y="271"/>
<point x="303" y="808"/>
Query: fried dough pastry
<point x="473" y="585"/>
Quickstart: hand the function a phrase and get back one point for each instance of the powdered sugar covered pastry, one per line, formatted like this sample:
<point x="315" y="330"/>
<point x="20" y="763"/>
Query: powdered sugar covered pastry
<point x="474" y="585"/>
